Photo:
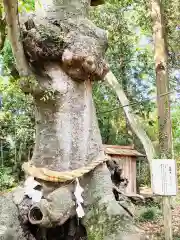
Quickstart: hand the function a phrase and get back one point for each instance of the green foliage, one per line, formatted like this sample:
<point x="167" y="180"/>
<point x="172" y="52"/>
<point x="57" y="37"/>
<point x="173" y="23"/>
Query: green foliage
<point x="112" y="124"/>
<point x="149" y="214"/>
<point x="143" y="173"/>
<point x="129" y="59"/>
<point x="26" y="5"/>
<point x="16" y="129"/>
<point x="176" y="128"/>
<point x="132" y="64"/>
<point x="7" y="57"/>
<point x="7" y="178"/>
<point x="176" y="135"/>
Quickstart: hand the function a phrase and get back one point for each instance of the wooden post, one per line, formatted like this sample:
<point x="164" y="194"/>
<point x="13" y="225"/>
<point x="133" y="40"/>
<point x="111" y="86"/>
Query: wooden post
<point x="167" y="213"/>
<point x="163" y="103"/>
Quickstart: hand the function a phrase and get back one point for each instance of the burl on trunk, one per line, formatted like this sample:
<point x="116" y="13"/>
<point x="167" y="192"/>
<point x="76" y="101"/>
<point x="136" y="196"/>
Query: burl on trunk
<point x="65" y="52"/>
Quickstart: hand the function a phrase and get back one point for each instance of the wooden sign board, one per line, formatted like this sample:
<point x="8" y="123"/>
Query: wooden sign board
<point x="164" y="177"/>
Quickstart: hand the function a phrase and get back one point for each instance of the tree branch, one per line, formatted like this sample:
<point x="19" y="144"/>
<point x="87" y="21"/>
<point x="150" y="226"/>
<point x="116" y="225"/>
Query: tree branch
<point x="132" y="118"/>
<point x="12" y="19"/>
<point x="2" y="29"/>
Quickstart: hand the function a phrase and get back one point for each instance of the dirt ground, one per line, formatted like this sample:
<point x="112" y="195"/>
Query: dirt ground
<point x="155" y="228"/>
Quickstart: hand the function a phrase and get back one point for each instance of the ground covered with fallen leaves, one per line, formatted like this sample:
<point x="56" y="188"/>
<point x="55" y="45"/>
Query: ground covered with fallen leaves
<point x="150" y="219"/>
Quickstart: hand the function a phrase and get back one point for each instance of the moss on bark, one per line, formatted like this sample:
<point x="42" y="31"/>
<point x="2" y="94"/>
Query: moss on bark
<point x="42" y="42"/>
<point x="75" y="43"/>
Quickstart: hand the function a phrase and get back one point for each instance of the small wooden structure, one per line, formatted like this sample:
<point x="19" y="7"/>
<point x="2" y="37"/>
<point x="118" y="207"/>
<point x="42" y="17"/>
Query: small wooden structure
<point x="126" y="156"/>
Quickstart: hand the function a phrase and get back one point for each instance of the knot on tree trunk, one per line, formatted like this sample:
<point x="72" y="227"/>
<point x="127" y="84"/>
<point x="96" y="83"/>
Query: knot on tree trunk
<point x="76" y="44"/>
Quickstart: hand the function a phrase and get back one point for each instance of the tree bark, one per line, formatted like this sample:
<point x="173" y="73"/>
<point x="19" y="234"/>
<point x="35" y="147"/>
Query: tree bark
<point x="162" y="81"/>
<point x="2" y="28"/>
<point x="66" y="53"/>
<point x="163" y="102"/>
<point x="14" y="35"/>
<point x="68" y="136"/>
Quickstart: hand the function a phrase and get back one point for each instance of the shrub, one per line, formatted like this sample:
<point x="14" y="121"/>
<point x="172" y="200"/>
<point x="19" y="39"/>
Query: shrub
<point x="149" y="214"/>
<point x="6" y="179"/>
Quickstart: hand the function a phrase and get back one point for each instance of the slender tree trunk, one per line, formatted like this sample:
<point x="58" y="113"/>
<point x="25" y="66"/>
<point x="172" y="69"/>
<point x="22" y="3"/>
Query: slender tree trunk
<point x="162" y="83"/>
<point x="2" y="28"/>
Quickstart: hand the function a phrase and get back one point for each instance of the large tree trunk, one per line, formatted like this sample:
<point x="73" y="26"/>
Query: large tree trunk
<point x="67" y="134"/>
<point x="65" y="52"/>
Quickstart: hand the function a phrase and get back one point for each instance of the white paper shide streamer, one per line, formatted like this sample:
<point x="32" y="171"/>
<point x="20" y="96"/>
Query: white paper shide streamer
<point x="79" y="200"/>
<point x="32" y="193"/>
